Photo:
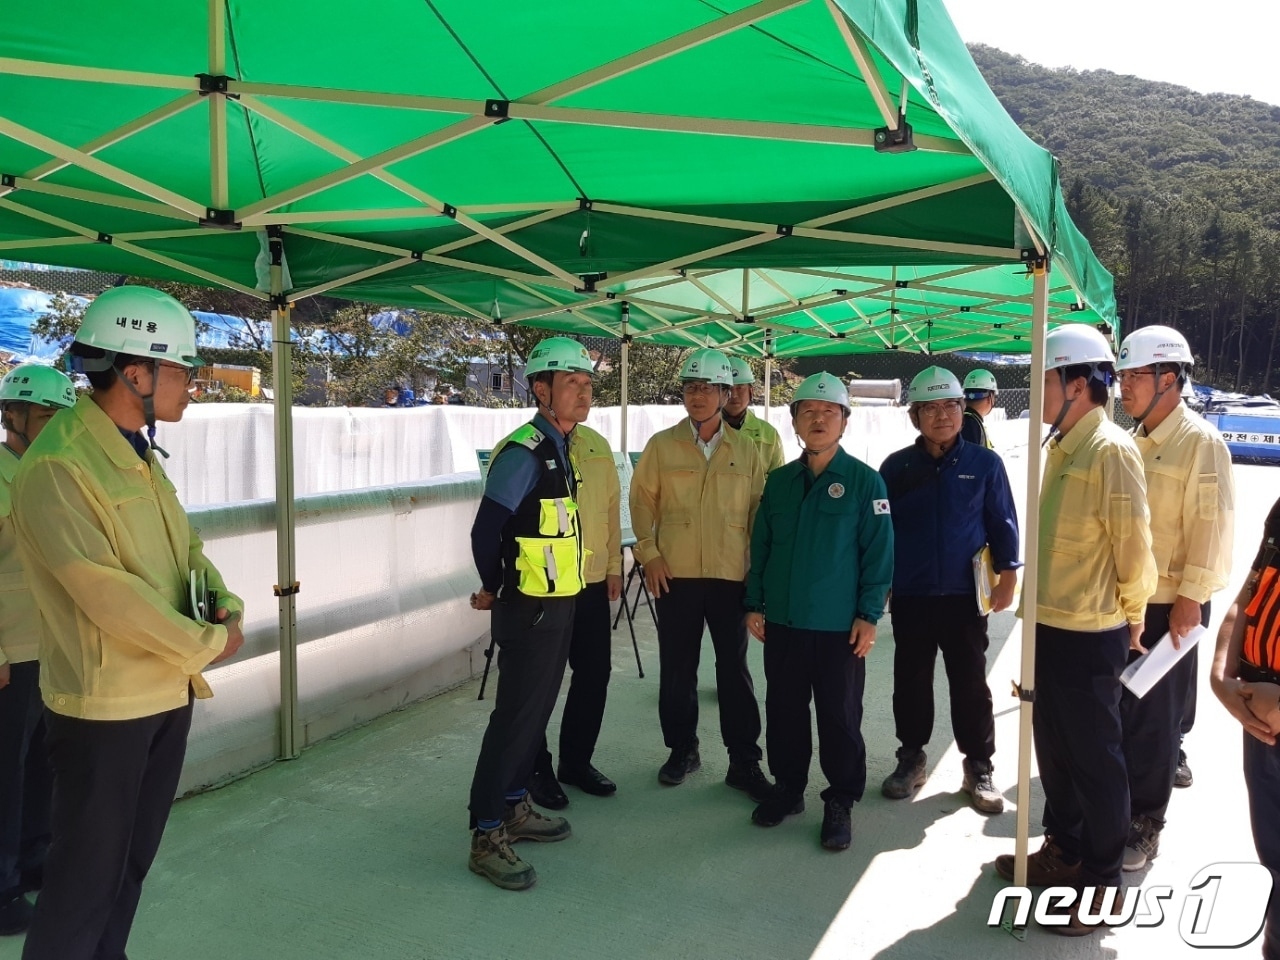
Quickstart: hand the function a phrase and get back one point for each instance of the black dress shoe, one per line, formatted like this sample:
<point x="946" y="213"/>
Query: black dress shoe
<point x="587" y="779"/>
<point x="750" y="779"/>
<point x="545" y="791"/>
<point x="682" y="762"/>
<point x="779" y="805"/>
<point x="837" y="831"/>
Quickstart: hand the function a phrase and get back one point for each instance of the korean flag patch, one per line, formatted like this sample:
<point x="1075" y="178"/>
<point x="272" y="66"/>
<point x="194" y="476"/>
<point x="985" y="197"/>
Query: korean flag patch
<point x="879" y="507"/>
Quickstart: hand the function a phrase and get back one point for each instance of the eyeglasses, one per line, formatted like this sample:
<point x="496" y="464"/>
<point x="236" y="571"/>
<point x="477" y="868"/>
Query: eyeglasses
<point x="188" y="372"/>
<point x="701" y="386"/>
<point x="940" y="408"/>
<point x="1129" y="376"/>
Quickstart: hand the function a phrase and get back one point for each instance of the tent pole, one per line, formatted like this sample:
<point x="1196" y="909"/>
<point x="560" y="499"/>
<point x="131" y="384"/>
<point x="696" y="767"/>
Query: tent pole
<point x="1031" y="558"/>
<point x="626" y="361"/>
<point x="768" y="374"/>
<point x="286" y="569"/>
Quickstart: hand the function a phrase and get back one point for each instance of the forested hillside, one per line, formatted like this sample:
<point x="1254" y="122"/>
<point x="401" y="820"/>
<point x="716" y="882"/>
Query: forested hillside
<point x="1179" y="193"/>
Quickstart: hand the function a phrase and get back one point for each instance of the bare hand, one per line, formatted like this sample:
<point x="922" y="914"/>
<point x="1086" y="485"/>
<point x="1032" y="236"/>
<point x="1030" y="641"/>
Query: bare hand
<point x="1135" y="637"/>
<point x="235" y="637"/>
<point x="1002" y="593"/>
<point x="482" y="599"/>
<point x="613" y="586"/>
<point x="1235" y="695"/>
<point x="755" y="625"/>
<point x="1264" y="703"/>
<point x="4" y="675"/>
<point x="862" y="637"/>
<point x="1183" y="618"/>
<point x="657" y="576"/>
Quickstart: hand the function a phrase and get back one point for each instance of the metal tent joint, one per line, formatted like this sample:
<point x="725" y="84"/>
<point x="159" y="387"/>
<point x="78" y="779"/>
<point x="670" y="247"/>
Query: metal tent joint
<point x="836" y="336"/>
<point x="1026" y="696"/>
<point x="966" y="309"/>
<point x="416" y="254"/>
<point x="216" y="83"/>
<point x="585" y="204"/>
<point x="219" y="219"/>
<point x="589" y="281"/>
<point x="449" y="211"/>
<point x="8" y="180"/>
<point x="747" y="319"/>
<point x="897" y="139"/>
<point x="106" y="238"/>
<point x="290" y="591"/>
<point x="785" y="229"/>
<point x="278" y="301"/>
<point x="626" y="338"/>
<point x="498" y="109"/>
<point x="902" y="284"/>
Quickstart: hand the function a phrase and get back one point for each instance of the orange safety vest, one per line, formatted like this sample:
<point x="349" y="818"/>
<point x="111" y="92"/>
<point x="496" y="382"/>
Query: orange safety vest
<point x="1262" y="615"/>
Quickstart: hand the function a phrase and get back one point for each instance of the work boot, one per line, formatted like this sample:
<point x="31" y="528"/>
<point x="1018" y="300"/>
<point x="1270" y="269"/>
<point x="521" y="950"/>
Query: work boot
<point x="782" y="802"/>
<point x="546" y="790"/>
<point x="750" y="779"/>
<point x="837" y="831"/>
<point x="15" y="914"/>
<point x="1143" y="845"/>
<point x="523" y="822"/>
<point x="1047" y="867"/>
<point x="982" y="792"/>
<point x="1076" y="927"/>
<point x="1182" y="773"/>
<point x="908" y="777"/>
<point x="682" y="762"/>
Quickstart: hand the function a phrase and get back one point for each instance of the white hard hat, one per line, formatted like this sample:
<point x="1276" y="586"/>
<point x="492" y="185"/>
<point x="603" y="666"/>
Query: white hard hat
<point x="140" y="322"/>
<point x="38" y="384"/>
<point x="743" y="375"/>
<point x="934" y="383"/>
<point x="980" y="381"/>
<point x="559" y="353"/>
<point x="1074" y="344"/>
<point x="709" y="365"/>
<point x="821" y="386"/>
<point x="1152" y="345"/>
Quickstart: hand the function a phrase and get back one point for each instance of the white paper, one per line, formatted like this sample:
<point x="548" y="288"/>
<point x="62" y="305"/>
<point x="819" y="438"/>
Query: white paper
<point x="1145" y="672"/>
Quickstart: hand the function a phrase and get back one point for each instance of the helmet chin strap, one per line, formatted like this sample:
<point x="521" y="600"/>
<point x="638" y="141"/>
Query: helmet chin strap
<point x="149" y="409"/>
<point x="1062" y="413"/>
<point x="698" y="423"/>
<point x="8" y="424"/>
<point x="1155" y="399"/>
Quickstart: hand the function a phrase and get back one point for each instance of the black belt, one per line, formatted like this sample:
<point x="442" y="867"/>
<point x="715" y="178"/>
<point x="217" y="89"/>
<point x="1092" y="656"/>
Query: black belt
<point x="1250" y="674"/>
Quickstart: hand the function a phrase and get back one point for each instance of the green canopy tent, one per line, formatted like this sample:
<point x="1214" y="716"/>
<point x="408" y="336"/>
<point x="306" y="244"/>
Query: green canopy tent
<point x="493" y="159"/>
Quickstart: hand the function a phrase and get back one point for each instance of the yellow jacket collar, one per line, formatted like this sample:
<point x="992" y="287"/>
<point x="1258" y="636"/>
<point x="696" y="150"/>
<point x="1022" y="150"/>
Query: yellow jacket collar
<point x="103" y="429"/>
<point x="1070" y="441"/>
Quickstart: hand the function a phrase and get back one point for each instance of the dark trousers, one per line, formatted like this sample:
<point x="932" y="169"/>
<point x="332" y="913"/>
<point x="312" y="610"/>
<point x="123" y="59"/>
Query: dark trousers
<point x="682" y="611"/>
<point x="1262" y="780"/>
<point x="590" y="659"/>
<point x="532" y="635"/>
<point x="113" y="787"/>
<point x="921" y="627"/>
<point x="1189" y="711"/>
<point x="1076" y="727"/>
<point x="1153" y="724"/>
<point x="800" y="663"/>
<point x="25" y="781"/>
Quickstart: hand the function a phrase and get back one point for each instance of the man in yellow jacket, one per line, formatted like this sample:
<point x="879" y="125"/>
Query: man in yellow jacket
<point x="29" y="396"/>
<point x="693" y="500"/>
<point x="590" y="647"/>
<point x="737" y="413"/>
<point x="1191" y="494"/>
<point x="1096" y="573"/>
<point x="110" y="559"/>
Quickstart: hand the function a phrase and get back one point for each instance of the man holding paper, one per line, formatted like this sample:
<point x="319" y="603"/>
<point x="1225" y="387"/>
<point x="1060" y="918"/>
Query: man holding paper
<point x="950" y="500"/>
<point x="1191" y="497"/>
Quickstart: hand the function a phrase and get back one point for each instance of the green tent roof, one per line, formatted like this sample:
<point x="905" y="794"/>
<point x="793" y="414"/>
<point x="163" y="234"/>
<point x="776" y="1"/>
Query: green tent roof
<point x="491" y="158"/>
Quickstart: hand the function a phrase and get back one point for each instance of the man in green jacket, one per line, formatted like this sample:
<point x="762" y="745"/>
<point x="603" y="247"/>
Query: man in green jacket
<point x="737" y="414"/>
<point x="821" y="566"/>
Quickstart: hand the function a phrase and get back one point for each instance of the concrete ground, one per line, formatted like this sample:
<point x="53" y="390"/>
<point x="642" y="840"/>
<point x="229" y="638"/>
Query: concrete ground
<point x="358" y="850"/>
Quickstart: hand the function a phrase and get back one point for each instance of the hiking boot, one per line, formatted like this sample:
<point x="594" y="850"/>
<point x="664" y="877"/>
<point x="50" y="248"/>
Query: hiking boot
<point x="781" y="803"/>
<point x="750" y="779"/>
<point x="493" y="858"/>
<point x="908" y="777"/>
<point x="546" y="790"/>
<point x="682" y="762"/>
<point x="15" y="915"/>
<point x="1047" y="867"/>
<point x="523" y="822"/>
<point x="837" y="831"/>
<point x="1182" y="773"/>
<point x="1143" y="845"/>
<point x="982" y="792"/>
<point x="1076" y="926"/>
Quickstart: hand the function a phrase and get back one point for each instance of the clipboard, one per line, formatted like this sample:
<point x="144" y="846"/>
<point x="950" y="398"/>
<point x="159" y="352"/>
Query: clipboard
<point x="203" y="602"/>
<point x="984" y="580"/>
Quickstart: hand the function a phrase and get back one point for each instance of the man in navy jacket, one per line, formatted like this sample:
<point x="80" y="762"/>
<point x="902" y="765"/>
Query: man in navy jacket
<point x="949" y="499"/>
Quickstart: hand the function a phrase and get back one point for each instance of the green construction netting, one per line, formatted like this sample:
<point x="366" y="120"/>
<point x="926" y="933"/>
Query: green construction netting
<point x="494" y="158"/>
